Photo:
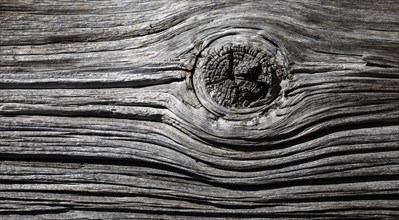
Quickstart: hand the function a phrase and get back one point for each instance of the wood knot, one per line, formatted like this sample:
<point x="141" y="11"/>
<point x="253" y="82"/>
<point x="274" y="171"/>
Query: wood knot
<point x="240" y="76"/>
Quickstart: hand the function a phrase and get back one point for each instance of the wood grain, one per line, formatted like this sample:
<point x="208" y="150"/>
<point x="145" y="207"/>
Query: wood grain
<point x="99" y="118"/>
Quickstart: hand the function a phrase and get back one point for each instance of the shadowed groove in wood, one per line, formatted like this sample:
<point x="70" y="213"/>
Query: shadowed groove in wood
<point x="98" y="115"/>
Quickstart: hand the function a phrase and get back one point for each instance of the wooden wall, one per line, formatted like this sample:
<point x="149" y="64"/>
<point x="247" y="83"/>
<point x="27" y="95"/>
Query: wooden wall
<point x="99" y="117"/>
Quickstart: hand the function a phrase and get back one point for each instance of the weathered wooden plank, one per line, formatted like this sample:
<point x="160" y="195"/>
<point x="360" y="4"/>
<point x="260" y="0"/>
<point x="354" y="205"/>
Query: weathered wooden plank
<point x="101" y="116"/>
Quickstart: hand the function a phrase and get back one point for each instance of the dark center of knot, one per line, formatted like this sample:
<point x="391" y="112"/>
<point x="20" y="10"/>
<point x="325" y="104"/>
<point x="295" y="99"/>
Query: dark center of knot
<point x="238" y="76"/>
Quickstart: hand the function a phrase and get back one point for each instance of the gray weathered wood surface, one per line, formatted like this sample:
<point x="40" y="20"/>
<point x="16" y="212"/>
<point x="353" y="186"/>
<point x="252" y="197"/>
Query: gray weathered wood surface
<point x="99" y="118"/>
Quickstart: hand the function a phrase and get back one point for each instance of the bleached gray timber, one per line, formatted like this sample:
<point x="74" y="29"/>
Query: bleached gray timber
<point x="100" y="117"/>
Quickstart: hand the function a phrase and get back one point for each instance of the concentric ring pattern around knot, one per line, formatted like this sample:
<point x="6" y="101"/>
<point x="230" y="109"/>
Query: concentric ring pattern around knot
<point x="239" y="76"/>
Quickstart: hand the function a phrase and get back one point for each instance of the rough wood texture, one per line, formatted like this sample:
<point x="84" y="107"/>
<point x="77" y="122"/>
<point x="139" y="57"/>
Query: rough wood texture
<point x="100" y="118"/>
